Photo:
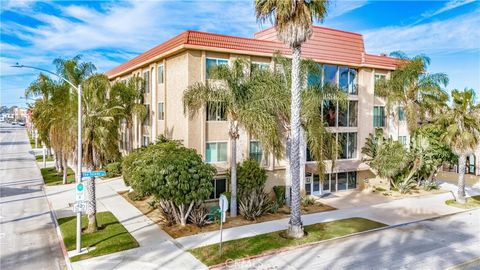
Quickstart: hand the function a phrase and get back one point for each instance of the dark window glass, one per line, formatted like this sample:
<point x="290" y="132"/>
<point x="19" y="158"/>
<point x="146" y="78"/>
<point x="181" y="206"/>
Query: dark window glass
<point x="214" y="62"/>
<point x="352" y="145"/>
<point x="219" y="187"/>
<point x="342" y="181"/>
<point x="352" y="180"/>
<point x="217" y="112"/>
<point x="326" y="183"/>
<point x="352" y="82"/>
<point x="146" y="122"/>
<point x="329" y="113"/>
<point x="343" y="80"/>
<point x="401" y="114"/>
<point x="378" y="116"/>
<point x="146" y="81"/>
<point x="330" y="74"/>
<point x="160" y="74"/>
<point x="352" y="113"/>
<point x="255" y="151"/>
<point x="342" y="115"/>
<point x="309" y="155"/>
<point x="342" y="145"/>
<point x="315" y="78"/>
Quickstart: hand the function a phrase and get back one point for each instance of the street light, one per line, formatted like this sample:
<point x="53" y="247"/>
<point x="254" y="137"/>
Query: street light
<point x="79" y="141"/>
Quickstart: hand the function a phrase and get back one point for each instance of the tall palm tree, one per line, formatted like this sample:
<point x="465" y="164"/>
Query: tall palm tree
<point x="100" y="133"/>
<point x="420" y="93"/>
<point x="129" y="95"/>
<point x="240" y="98"/>
<point x="461" y="123"/>
<point x="293" y="21"/>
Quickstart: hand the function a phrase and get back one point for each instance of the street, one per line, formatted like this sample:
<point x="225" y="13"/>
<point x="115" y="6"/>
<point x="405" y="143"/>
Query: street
<point x="28" y="239"/>
<point x="433" y="244"/>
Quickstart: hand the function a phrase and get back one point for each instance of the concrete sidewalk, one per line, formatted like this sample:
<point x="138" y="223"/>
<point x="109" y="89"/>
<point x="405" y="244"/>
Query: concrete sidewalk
<point x="157" y="249"/>
<point x="391" y="213"/>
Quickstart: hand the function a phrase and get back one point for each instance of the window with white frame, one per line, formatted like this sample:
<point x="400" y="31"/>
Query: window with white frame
<point x="379" y="77"/>
<point x="146" y="140"/>
<point x="216" y="152"/>
<point x="212" y="62"/>
<point x="146" y="81"/>
<point x="216" y="111"/>
<point x="161" y="111"/>
<point x="160" y="71"/>
<point x="255" y="151"/>
<point x="219" y="187"/>
<point x="260" y="66"/>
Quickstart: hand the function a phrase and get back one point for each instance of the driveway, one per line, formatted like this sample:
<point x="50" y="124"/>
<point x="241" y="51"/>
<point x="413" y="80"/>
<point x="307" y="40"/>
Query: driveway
<point x="28" y="238"/>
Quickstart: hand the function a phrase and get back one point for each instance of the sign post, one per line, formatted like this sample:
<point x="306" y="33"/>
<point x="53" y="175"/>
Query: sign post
<point x="94" y="174"/>
<point x="223" y="203"/>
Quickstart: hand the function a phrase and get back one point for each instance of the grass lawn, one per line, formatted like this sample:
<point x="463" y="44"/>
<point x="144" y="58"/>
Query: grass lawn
<point x="47" y="158"/>
<point x="259" y="244"/>
<point x="111" y="236"/>
<point x="51" y="177"/>
<point x="471" y="202"/>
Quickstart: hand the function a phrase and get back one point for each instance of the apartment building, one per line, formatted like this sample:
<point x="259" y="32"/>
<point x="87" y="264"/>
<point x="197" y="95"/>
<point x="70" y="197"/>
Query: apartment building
<point x="172" y="66"/>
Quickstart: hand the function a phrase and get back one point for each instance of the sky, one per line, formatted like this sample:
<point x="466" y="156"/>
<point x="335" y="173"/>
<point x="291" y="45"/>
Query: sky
<point x="108" y="33"/>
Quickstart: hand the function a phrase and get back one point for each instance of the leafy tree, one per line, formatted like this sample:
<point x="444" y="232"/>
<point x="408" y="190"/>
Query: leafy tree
<point x="293" y="21"/>
<point x="173" y="174"/>
<point x="237" y="96"/>
<point x="420" y="93"/>
<point x="250" y="176"/>
<point x="461" y="125"/>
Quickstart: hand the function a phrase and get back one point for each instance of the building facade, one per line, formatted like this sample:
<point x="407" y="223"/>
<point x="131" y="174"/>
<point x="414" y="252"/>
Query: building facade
<point x="169" y="68"/>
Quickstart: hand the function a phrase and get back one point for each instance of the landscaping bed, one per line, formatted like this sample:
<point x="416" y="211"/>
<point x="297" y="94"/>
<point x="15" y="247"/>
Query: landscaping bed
<point x="51" y="176"/>
<point x="259" y="244"/>
<point x="414" y="192"/>
<point x="47" y="158"/>
<point x="177" y="231"/>
<point x="471" y="202"/>
<point x="111" y="236"/>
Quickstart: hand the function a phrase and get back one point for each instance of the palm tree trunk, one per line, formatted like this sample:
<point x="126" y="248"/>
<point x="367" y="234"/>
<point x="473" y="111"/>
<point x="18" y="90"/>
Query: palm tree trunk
<point x="288" y="175"/>
<point x="295" y="228"/>
<point x="91" y="205"/>
<point x="462" y="159"/>
<point x="65" y="168"/>
<point x="233" y="132"/>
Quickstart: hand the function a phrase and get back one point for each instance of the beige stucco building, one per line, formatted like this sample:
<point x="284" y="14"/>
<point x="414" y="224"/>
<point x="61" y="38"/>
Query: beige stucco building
<point x="172" y="66"/>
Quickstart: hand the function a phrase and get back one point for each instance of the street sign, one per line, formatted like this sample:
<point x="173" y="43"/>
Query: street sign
<point x="79" y="206"/>
<point x="94" y="174"/>
<point x="80" y="192"/>
<point x="223" y="203"/>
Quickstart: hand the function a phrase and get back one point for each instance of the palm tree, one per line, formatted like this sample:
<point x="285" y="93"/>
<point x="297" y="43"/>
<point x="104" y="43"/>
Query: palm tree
<point x="410" y="86"/>
<point x="239" y="96"/>
<point x="129" y="95"/>
<point x="293" y="21"/>
<point x="100" y="134"/>
<point x="462" y="131"/>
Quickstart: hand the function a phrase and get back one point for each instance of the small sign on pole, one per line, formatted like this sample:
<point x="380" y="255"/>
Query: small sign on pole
<point x="79" y="207"/>
<point x="223" y="203"/>
<point x="94" y="174"/>
<point x="80" y="192"/>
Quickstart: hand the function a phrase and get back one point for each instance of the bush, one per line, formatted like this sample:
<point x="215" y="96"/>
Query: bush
<point x="135" y="196"/>
<point x="254" y="204"/>
<point x="114" y="169"/>
<point x="407" y="185"/>
<point x="430" y="185"/>
<point x="279" y="194"/>
<point x="167" y="212"/>
<point x="308" y="200"/>
<point x="250" y="176"/>
<point x="199" y="215"/>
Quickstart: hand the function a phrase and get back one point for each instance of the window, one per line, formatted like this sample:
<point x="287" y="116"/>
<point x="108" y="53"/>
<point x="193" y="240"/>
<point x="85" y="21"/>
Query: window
<point x="470" y="168"/>
<point x="352" y="113"/>
<point x="146" y="140"/>
<point x="352" y="180"/>
<point x="347" y="143"/>
<point x="401" y="114"/>
<point x="330" y="74"/>
<point x="347" y="114"/>
<point x="315" y="78"/>
<point x="342" y="181"/>
<point x="343" y="80"/>
<point x="161" y="111"/>
<point x="216" y="111"/>
<point x="255" y="151"/>
<point x="402" y="140"/>
<point x="146" y="122"/>
<point x="212" y="62"/>
<point x="330" y="113"/>
<point x="342" y="115"/>
<point x="146" y="81"/>
<point x="378" y="116"/>
<point x="379" y="77"/>
<point x="352" y="81"/>
<point x="160" y="74"/>
<point x="260" y="66"/>
<point x="219" y="187"/>
<point x="216" y="152"/>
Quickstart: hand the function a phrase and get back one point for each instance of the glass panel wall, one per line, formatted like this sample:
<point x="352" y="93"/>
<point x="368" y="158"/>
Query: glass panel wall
<point x="378" y="116"/>
<point x="347" y="143"/>
<point x="352" y="180"/>
<point x="352" y="113"/>
<point x="330" y="74"/>
<point x="342" y="181"/>
<point x="330" y="113"/>
<point x="255" y="151"/>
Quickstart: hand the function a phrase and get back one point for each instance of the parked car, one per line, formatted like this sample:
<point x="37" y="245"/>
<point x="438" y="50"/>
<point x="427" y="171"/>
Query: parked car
<point x="21" y="124"/>
<point x="14" y="123"/>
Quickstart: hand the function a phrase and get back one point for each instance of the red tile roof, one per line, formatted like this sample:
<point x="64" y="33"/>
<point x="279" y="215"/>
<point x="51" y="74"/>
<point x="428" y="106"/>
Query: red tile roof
<point x="326" y="45"/>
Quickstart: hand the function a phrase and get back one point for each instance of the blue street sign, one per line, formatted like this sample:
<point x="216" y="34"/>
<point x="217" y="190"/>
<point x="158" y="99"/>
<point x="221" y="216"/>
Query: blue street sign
<point x="94" y="174"/>
<point x="79" y="187"/>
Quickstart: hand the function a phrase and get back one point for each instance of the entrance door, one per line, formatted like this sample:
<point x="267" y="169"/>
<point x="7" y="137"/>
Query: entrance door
<point x="308" y="183"/>
<point x="316" y="185"/>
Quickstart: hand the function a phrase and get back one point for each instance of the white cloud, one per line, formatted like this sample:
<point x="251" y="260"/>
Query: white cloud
<point x="452" y="4"/>
<point x="340" y="7"/>
<point x="446" y="36"/>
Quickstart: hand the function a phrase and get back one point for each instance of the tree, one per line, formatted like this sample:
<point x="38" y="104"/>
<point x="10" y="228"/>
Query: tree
<point x="238" y="96"/>
<point x="420" y="93"/>
<point x="293" y="21"/>
<point x="175" y="175"/>
<point x="250" y="176"/>
<point x="99" y="134"/>
<point x="391" y="159"/>
<point x="461" y="127"/>
<point x="128" y="95"/>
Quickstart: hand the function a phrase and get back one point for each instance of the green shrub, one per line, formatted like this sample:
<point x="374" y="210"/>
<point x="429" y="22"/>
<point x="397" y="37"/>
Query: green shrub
<point x="406" y="185"/>
<point x="254" y="204"/>
<point x="279" y="194"/>
<point x="135" y="196"/>
<point x="114" y="169"/>
<point x="308" y="200"/>
<point x="430" y="185"/>
<point x="199" y="215"/>
<point x="250" y="176"/>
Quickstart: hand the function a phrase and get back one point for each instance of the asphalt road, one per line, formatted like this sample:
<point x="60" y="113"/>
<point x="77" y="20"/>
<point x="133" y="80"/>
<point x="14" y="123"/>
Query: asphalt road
<point x="28" y="239"/>
<point x="446" y="243"/>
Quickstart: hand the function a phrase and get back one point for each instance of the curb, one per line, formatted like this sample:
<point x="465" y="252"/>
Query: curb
<point x="57" y="229"/>
<point x="281" y="250"/>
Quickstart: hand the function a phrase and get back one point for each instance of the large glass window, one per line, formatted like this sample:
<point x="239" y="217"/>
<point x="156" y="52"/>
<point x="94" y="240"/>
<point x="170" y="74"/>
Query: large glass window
<point x="219" y="187"/>
<point x="352" y="180"/>
<point x="216" y="152"/>
<point x="471" y="164"/>
<point x="343" y="80"/>
<point x="330" y="112"/>
<point x="342" y="181"/>
<point x="379" y="77"/>
<point x="160" y="74"/>
<point x="378" y="116"/>
<point x="212" y="62"/>
<point x="330" y="74"/>
<point x="343" y="115"/>
<point x="352" y="81"/>
<point x="161" y="111"/>
<point x="352" y="113"/>
<point x="401" y="114"/>
<point x="216" y="111"/>
<point x="255" y="151"/>
<point x="260" y="66"/>
<point x="315" y="78"/>
<point x="146" y="81"/>
<point x="347" y="142"/>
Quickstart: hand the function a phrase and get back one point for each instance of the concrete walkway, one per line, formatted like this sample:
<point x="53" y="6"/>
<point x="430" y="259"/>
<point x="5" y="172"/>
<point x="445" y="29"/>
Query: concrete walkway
<point x="391" y="213"/>
<point x="157" y="249"/>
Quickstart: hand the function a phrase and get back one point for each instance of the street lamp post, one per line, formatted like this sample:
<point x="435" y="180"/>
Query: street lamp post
<point x="79" y="142"/>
